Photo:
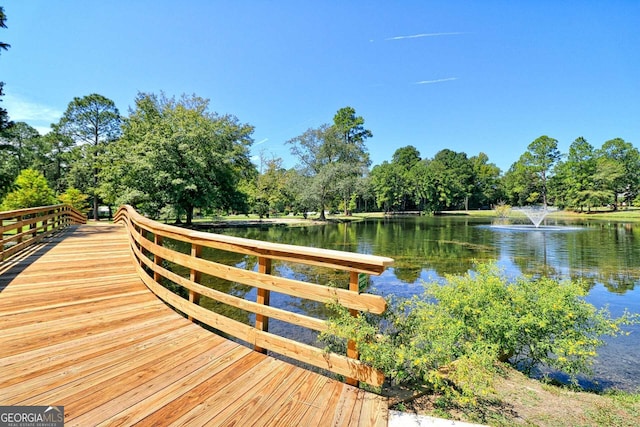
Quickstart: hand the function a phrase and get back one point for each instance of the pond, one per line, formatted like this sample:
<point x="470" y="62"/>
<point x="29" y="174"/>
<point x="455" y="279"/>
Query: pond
<point x="604" y="254"/>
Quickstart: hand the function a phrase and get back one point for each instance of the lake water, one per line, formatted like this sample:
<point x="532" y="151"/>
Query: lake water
<point x="604" y="254"/>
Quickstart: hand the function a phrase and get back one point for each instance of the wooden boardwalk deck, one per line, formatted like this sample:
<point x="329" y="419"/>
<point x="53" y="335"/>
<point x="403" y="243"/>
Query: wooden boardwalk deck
<point x="80" y="329"/>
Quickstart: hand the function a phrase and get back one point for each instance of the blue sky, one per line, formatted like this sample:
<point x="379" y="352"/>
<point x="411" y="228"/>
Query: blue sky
<point x="472" y="76"/>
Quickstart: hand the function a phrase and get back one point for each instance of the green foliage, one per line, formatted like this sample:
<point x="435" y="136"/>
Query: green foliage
<point x="176" y="153"/>
<point x="32" y="190"/>
<point x="74" y="197"/>
<point x="92" y="122"/>
<point x="332" y="157"/>
<point x="452" y="338"/>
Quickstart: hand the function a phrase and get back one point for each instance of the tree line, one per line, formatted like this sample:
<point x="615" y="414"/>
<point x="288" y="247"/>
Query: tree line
<point x="173" y="158"/>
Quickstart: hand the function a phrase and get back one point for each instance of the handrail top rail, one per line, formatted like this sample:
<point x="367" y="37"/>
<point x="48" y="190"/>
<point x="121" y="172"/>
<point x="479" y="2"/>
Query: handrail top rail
<point x="29" y="211"/>
<point x="372" y="264"/>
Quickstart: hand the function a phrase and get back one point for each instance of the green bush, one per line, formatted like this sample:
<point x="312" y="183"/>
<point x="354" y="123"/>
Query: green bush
<point x="454" y="337"/>
<point x="502" y="210"/>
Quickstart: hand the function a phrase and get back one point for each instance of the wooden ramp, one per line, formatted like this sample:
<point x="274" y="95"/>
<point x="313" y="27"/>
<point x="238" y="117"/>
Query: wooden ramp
<point x="79" y="329"/>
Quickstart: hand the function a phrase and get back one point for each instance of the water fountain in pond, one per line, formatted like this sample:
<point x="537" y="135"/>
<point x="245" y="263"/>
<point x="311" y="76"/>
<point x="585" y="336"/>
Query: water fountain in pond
<point x="536" y="215"/>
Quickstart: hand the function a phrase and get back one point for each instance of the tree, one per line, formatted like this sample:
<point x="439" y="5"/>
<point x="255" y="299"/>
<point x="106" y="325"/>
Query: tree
<point x="449" y="180"/>
<point x="352" y="131"/>
<point x="333" y="157"/>
<point x="32" y="190"/>
<point x="405" y="158"/>
<point x="74" y="197"/>
<point x="627" y="184"/>
<point x="389" y="185"/>
<point x="352" y="152"/>
<point x="575" y="185"/>
<point x="58" y="149"/>
<point x="22" y="140"/>
<point x="271" y="189"/>
<point x="520" y="184"/>
<point x="176" y="154"/>
<point x="540" y="158"/>
<point x="91" y="121"/>
<point x="486" y="188"/>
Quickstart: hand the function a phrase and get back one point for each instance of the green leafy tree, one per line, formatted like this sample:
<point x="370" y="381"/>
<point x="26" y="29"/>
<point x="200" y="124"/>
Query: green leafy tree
<point x="92" y="122"/>
<point x="486" y="189"/>
<point x="405" y="158"/>
<point x="23" y="141"/>
<point x="389" y="184"/>
<point x="32" y="190"/>
<point x="420" y="183"/>
<point x="574" y="184"/>
<point x="627" y="185"/>
<point x="58" y="148"/>
<point x="74" y="197"/>
<point x="176" y="154"/>
<point x="449" y="177"/>
<point x="331" y="161"/>
<point x="520" y="184"/>
<point x="540" y="158"/>
<point x="352" y="152"/>
<point x="271" y="195"/>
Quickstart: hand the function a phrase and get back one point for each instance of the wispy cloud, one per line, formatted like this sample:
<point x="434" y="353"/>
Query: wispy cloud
<point x="428" y="82"/>
<point x="417" y="36"/>
<point x="261" y="141"/>
<point x="38" y="115"/>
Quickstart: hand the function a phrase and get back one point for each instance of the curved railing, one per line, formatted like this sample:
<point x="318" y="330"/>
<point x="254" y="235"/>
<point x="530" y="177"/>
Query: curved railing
<point x="24" y="227"/>
<point x="146" y="238"/>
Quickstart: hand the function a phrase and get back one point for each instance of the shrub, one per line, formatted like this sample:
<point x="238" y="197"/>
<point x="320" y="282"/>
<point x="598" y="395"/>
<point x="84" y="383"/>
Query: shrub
<point x="453" y="337"/>
<point x="502" y="210"/>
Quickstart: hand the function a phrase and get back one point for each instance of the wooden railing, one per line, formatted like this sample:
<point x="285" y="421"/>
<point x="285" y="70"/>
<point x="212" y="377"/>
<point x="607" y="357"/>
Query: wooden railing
<point x="146" y="238"/>
<point x="23" y="227"/>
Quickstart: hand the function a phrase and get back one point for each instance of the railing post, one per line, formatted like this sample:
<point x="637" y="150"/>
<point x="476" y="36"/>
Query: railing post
<point x="34" y="227"/>
<point x="262" y="321"/>
<point x="195" y="275"/>
<point x="19" y="230"/>
<point x="156" y="259"/>
<point x="1" y="241"/>
<point x="352" y="352"/>
<point x="58" y="220"/>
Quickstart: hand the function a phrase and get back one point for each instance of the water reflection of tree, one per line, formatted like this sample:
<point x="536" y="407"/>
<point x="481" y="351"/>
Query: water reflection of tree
<point x="446" y="246"/>
<point x="597" y="252"/>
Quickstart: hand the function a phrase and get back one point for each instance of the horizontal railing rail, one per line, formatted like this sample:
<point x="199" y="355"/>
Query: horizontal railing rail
<point x="146" y="239"/>
<point x="23" y="227"/>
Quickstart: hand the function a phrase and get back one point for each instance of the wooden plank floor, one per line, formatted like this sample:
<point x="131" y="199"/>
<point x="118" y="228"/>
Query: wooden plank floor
<point x="79" y="329"/>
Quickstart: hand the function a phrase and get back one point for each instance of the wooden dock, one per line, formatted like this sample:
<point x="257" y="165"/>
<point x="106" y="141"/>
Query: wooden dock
<point x="79" y="329"/>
